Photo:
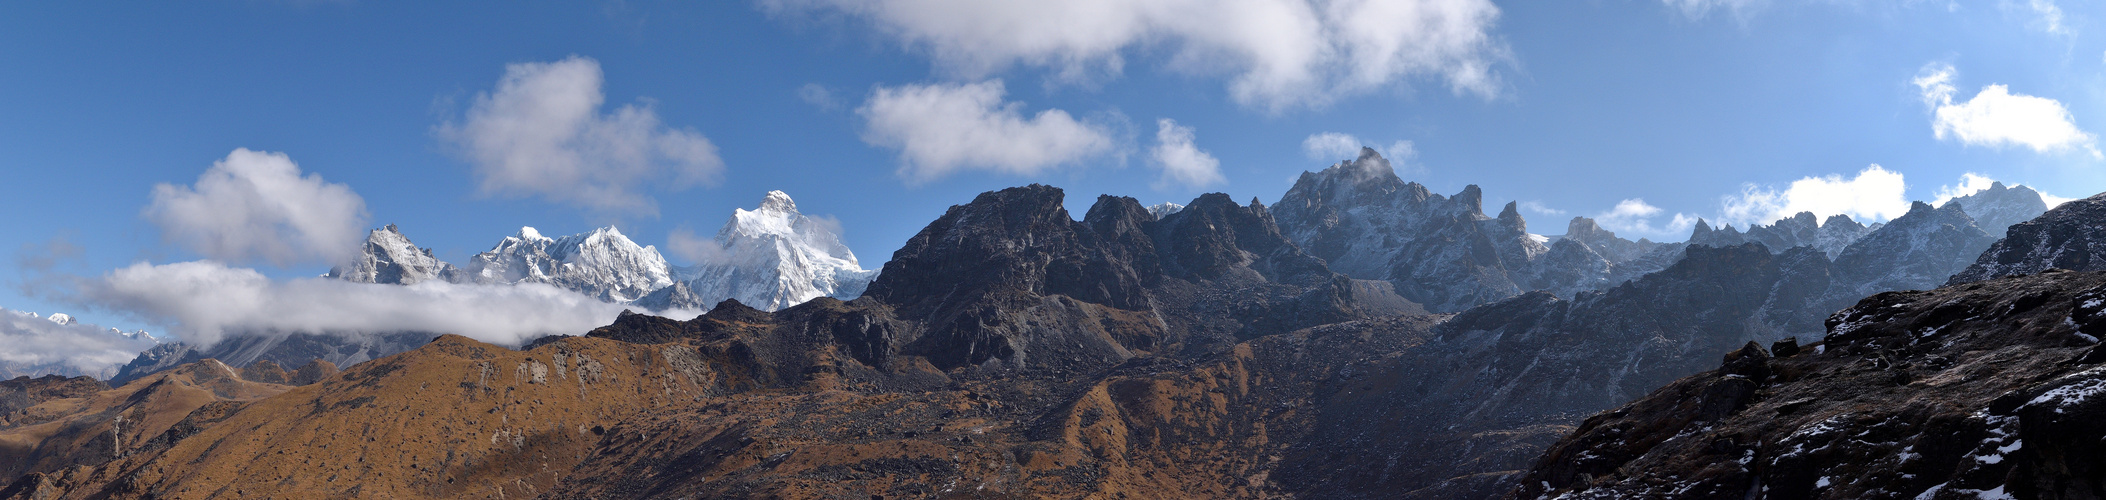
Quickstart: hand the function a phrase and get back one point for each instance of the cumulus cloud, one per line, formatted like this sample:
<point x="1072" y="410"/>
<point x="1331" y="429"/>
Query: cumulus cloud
<point x="40" y="345"/>
<point x="941" y="129"/>
<point x="1338" y="146"/>
<point x="203" y="302"/>
<point x="257" y="205"/>
<point x="1995" y="117"/>
<point x="1636" y="218"/>
<point x="1184" y="164"/>
<point x="1277" y="54"/>
<point x="541" y="133"/>
<point x="1875" y="194"/>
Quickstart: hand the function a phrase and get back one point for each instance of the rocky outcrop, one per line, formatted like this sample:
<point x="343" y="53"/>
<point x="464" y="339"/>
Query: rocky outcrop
<point x="1443" y="252"/>
<point x="2072" y="236"/>
<point x="1982" y="389"/>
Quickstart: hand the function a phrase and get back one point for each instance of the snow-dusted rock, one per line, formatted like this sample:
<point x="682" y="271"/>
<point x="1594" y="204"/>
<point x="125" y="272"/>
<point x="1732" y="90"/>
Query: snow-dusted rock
<point x="601" y="263"/>
<point x="390" y="258"/>
<point x="1997" y="208"/>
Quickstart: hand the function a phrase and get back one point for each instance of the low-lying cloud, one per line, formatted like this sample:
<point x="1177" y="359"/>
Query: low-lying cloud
<point x="1183" y="163"/>
<point x="204" y="302"/>
<point x="256" y="205"/>
<point x="41" y="345"/>
<point x="941" y="129"/>
<point x="541" y="133"/>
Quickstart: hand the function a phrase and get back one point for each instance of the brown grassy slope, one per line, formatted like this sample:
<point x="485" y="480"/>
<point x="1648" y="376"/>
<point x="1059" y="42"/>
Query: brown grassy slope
<point x="93" y="429"/>
<point x="455" y="418"/>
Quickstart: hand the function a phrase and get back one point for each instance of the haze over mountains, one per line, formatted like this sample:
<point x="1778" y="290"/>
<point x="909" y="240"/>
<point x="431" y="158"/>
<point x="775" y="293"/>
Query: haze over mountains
<point x="1012" y="347"/>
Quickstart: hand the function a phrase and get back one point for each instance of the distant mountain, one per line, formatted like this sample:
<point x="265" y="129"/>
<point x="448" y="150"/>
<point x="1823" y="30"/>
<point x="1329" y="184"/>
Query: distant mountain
<point x="1443" y="252"/>
<point x="2072" y="236"/>
<point x="1164" y="209"/>
<point x="601" y="263"/>
<point x="1997" y="208"/>
<point x="769" y="258"/>
<point x="1803" y="229"/>
<point x="33" y="345"/>
<point x="388" y="257"/>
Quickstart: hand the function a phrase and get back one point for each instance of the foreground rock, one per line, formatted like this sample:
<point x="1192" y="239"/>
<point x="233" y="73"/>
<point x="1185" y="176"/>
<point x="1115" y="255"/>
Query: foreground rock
<point x="1984" y="389"/>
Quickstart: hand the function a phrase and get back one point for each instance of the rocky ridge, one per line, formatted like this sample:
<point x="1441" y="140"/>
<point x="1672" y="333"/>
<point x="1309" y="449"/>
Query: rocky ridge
<point x="2068" y="237"/>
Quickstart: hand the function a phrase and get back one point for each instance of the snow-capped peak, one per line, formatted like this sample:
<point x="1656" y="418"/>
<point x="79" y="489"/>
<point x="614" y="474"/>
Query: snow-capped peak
<point x="528" y="233"/>
<point x="770" y="257"/>
<point x="62" y="318"/>
<point x="388" y="257"/>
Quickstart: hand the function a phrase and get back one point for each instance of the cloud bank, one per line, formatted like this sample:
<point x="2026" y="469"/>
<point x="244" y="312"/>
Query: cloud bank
<point x="42" y="345"/>
<point x="1875" y="194"/>
<point x="942" y="129"/>
<point x="203" y="302"/>
<point x="1277" y="54"/>
<point x="541" y="133"/>
<point x="257" y="205"/>
<point x="1997" y="118"/>
<point x="1184" y="164"/>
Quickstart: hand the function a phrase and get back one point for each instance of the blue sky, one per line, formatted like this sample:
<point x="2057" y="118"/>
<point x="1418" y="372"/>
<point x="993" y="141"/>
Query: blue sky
<point x="1577" y="108"/>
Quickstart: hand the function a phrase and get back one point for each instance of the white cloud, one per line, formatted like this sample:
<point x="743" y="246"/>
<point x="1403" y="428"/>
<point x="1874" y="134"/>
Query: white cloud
<point x="1875" y="194"/>
<point x="204" y="301"/>
<point x="1635" y="218"/>
<point x="819" y="96"/>
<point x="541" y="133"/>
<point x="2050" y="14"/>
<point x="1698" y="9"/>
<point x="941" y="129"/>
<point x="1539" y="207"/>
<point x="1184" y="164"/>
<point x="257" y="205"/>
<point x="1279" y="54"/>
<point x="1995" y="117"/>
<point x="85" y="349"/>
<point x="1337" y="146"/>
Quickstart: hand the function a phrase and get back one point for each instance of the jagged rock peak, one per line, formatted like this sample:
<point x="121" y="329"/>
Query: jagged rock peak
<point x="778" y="201"/>
<point x="1999" y="207"/>
<point x="388" y="257"/>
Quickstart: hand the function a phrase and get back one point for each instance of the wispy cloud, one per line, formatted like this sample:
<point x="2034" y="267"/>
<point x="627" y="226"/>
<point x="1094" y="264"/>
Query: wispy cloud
<point x="1183" y="163"/>
<point x="1279" y="54"/>
<point x="257" y="205"/>
<point x="1997" y="118"/>
<point x="1635" y="217"/>
<point x="1333" y="146"/>
<point x="941" y="129"/>
<point x="541" y="133"/>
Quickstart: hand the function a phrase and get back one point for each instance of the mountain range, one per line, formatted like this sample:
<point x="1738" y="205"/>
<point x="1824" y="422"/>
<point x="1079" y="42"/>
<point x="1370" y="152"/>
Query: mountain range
<point x="1362" y="338"/>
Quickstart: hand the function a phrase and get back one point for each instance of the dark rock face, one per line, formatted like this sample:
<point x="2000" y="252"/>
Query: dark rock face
<point x="2069" y="237"/>
<point x="23" y="392"/>
<point x="1443" y="252"/>
<point x="1588" y="257"/>
<point x="1972" y="389"/>
<point x="1495" y="385"/>
<point x="1999" y="207"/>
<point x="1916" y="251"/>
